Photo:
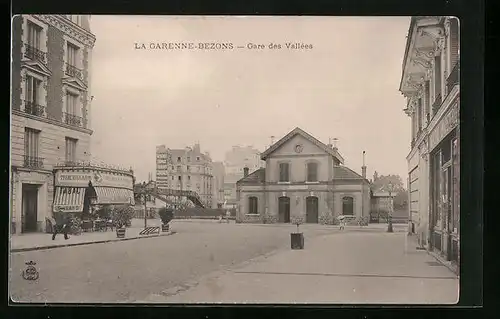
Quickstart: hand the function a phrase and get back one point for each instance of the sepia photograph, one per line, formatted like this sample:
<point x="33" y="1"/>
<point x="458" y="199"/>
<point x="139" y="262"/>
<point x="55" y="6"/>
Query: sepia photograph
<point x="162" y="159"/>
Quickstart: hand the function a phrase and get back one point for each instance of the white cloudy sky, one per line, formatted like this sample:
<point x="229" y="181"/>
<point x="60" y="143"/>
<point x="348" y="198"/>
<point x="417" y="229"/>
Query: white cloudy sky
<point x="345" y="87"/>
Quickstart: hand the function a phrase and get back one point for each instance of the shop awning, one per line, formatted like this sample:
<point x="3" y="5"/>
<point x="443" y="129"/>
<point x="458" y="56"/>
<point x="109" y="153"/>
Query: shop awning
<point x="69" y="199"/>
<point x="111" y="195"/>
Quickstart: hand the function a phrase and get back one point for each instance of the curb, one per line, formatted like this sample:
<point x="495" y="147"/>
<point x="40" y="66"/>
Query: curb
<point x="17" y="250"/>
<point x="447" y="264"/>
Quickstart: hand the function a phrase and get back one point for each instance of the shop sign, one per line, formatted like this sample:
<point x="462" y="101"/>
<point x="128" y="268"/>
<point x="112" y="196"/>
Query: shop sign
<point x="98" y="178"/>
<point x="445" y="126"/>
<point x="68" y="208"/>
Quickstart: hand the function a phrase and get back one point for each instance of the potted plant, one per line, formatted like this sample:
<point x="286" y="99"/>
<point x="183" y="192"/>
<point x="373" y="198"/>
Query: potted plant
<point x="297" y="238"/>
<point x="122" y="216"/>
<point x="166" y="216"/>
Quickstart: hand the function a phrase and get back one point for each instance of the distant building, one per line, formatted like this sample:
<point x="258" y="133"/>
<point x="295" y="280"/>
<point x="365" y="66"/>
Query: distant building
<point x="218" y="170"/>
<point x="303" y="179"/>
<point x="235" y="162"/>
<point x="431" y="83"/>
<point x="186" y="169"/>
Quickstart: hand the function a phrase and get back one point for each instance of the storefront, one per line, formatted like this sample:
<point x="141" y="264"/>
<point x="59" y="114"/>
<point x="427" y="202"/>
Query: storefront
<point x="74" y="186"/>
<point x="444" y="146"/>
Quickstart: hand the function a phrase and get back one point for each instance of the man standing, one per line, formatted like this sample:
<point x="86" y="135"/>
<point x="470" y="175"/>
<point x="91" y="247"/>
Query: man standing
<point x="228" y="214"/>
<point x="61" y="226"/>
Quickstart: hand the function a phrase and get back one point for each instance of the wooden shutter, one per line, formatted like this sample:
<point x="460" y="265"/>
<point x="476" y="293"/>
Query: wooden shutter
<point x="454" y="41"/>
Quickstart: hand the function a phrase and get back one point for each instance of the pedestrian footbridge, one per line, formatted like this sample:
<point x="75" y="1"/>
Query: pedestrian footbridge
<point x="162" y="194"/>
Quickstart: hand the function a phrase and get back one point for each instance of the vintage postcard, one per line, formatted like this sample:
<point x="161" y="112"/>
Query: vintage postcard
<point x="235" y="159"/>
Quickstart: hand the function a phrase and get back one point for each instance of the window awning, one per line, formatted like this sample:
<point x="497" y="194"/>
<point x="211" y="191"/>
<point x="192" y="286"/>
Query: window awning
<point x="69" y="199"/>
<point x="111" y="195"/>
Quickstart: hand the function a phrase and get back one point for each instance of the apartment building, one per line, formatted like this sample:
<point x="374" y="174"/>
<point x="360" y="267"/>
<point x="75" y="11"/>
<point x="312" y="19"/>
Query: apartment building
<point x="235" y="162"/>
<point x="218" y="188"/>
<point x="50" y="102"/>
<point x="186" y="169"/>
<point x="431" y="83"/>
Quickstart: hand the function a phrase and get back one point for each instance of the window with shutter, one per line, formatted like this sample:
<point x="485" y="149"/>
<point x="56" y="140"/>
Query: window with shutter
<point x="31" y="140"/>
<point x="454" y="42"/>
<point x="312" y="172"/>
<point x="34" y="33"/>
<point x="284" y="172"/>
<point x="72" y="52"/>
<point x="427" y="96"/>
<point x="71" y="150"/>
<point x="419" y="114"/>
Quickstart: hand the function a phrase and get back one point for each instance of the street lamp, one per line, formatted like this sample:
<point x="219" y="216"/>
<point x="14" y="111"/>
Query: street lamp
<point x="389" y="224"/>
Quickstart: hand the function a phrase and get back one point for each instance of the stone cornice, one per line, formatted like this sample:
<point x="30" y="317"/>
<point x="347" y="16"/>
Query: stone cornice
<point x="52" y="121"/>
<point x="69" y="28"/>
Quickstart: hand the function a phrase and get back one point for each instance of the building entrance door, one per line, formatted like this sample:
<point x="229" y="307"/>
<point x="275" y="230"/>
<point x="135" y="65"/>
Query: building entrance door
<point x="312" y="209"/>
<point x="29" y="208"/>
<point x="284" y="209"/>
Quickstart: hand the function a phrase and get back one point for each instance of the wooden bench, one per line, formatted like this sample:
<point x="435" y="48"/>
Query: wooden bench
<point x="150" y="230"/>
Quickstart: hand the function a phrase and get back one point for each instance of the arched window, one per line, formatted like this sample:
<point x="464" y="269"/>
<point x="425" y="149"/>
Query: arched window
<point x="347" y="205"/>
<point x="312" y="172"/>
<point x="253" y="205"/>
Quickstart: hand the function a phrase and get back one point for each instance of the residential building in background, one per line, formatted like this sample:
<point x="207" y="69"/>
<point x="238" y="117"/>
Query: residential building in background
<point x="303" y="179"/>
<point x="431" y="83"/>
<point x="186" y="169"/>
<point x="235" y="162"/>
<point x="50" y="88"/>
<point x="218" y="187"/>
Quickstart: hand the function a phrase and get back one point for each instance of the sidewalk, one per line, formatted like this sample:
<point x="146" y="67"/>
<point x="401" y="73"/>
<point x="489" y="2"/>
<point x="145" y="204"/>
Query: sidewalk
<point x="39" y="241"/>
<point x="348" y="268"/>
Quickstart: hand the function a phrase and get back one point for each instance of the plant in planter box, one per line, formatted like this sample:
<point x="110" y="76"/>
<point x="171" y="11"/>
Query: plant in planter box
<point x="166" y="216"/>
<point x="122" y="216"/>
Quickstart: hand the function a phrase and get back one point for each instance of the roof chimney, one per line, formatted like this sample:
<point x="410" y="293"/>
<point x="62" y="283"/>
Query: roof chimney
<point x="363" y="168"/>
<point x="245" y="171"/>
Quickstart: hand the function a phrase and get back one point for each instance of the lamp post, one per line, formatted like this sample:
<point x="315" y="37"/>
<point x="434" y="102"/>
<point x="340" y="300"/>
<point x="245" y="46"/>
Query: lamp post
<point x="144" y="198"/>
<point x="389" y="224"/>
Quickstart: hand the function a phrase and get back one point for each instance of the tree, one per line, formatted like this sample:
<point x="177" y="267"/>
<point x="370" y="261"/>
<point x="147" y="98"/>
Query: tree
<point x="381" y="184"/>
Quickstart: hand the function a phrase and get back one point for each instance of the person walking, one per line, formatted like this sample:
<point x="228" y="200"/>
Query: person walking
<point x="61" y="226"/>
<point x="342" y="222"/>
<point x="228" y="214"/>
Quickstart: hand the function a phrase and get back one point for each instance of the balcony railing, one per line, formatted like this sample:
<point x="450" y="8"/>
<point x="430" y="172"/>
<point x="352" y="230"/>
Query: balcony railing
<point x="74" y="120"/>
<point x="34" y="54"/>
<point x="73" y="71"/>
<point x="454" y="77"/>
<point x="34" y="109"/>
<point x="437" y="104"/>
<point x="33" y="162"/>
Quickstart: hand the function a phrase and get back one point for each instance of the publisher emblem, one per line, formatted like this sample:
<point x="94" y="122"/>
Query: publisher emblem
<point x="30" y="273"/>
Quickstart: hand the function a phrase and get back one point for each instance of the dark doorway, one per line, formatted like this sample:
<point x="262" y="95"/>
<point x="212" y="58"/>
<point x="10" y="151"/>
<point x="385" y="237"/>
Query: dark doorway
<point x="312" y="209"/>
<point x="284" y="209"/>
<point x="29" y="208"/>
<point x="348" y="205"/>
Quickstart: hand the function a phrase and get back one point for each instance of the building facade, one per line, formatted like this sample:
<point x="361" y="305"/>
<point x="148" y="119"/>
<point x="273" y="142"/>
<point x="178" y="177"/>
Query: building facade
<point x="235" y="162"/>
<point x="431" y="83"/>
<point x="186" y="169"/>
<point x="303" y="179"/>
<point x="50" y="102"/>
<point x="218" y="187"/>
